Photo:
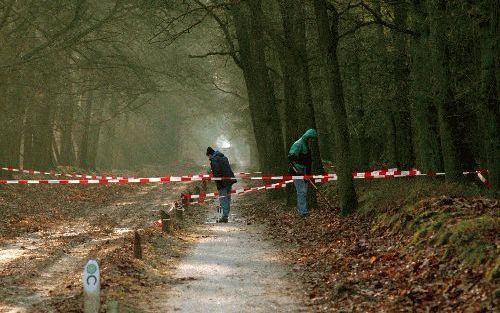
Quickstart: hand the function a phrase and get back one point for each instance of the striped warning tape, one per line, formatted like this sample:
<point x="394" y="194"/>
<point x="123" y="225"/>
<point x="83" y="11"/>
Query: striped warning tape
<point x="101" y="180"/>
<point x="202" y="197"/>
<point x="323" y="179"/>
<point x="52" y="173"/>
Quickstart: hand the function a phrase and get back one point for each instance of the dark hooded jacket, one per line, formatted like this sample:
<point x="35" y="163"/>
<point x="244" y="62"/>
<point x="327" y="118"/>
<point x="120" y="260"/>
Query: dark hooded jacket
<point x="221" y="168"/>
<point x="300" y="153"/>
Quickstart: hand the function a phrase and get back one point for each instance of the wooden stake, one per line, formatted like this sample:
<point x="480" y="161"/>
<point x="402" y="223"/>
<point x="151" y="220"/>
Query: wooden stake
<point x="137" y="245"/>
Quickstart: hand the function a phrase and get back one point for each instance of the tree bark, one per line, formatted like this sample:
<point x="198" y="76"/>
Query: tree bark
<point x="328" y="38"/>
<point x="67" y="121"/>
<point x="489" y="106"/>
<point x="390" y="153"/>
<point x="84" y="145"/>
<point x="401" y="103"/>
<point x="360" y="146"/>
<point x="444" y="97"/>
<point x="95" y="134"/>
<point x="13" y="108"/>
<point x="28" y="153"/>
<point x="43" y="134"/>
<point x="264" y="113"/>
<point x="425" y="140"/>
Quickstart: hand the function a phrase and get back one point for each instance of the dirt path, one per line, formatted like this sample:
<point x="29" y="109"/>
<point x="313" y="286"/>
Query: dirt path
<point x="232" y="269"/>
<point x="40" y="270"/>
<point x="197" y="267"/>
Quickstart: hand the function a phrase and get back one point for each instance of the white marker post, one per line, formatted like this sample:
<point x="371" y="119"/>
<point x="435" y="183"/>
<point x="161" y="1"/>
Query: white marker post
<point x="91" y="287"/>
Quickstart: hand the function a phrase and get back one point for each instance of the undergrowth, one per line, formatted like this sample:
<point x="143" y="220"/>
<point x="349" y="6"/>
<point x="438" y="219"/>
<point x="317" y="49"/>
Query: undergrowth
<point x="461" y="220"/>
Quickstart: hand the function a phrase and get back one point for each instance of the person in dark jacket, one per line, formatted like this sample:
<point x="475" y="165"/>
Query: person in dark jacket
<point x="300" y="159"/>
<point x="221" y="168"/>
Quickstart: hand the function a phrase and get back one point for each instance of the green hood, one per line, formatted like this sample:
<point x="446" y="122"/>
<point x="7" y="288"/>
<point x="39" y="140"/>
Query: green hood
<point x="310" y="133"/>
<point x="300" y="146"/>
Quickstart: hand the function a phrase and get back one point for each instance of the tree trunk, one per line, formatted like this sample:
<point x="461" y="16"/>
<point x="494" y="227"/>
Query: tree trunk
<point x="10" y="135"/>
<point x="84" y="146"/>
<point x="95" y="133"/>
<point x="401" y="103"/>
<point x="264" y="113"/>
<point x="328" y="38"/>
<point x="390" y="153"/>
<point x="28" y="148"/>
<point x="67" y="121"/>
<point x="109" y="140"/>
<point x="425" y="140"/>
<point x="444" y="97"/>
<point x="298" y="98"/>
<point x="360" y="146"/>
<point x="489" y="106"/>
<point x="299" y="108"/>
<point x="43" y="134"/>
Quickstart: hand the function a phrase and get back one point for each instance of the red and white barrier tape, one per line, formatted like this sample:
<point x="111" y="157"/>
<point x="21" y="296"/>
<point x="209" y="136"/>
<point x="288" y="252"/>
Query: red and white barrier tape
<point x="166" y="179"/>
<point x="201" y="198"/>
<point x="324" y="179"/>
<point x="52" y="173"/>
<point x="482" y="178"/>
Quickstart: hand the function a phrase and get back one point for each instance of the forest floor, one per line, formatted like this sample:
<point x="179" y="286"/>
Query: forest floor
<point x="414" y="246"/>
<point x="48" y="233"/>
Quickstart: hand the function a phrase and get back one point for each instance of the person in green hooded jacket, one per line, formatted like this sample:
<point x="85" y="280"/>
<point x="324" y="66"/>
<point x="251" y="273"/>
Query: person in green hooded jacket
<point x="300" y="158"/>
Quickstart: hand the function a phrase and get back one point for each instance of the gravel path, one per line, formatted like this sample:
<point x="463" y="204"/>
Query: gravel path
<point x="232" y="269"/>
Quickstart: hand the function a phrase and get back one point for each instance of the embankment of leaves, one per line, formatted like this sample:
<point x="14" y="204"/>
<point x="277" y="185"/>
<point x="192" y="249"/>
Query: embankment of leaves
<point x="413" y="245"/>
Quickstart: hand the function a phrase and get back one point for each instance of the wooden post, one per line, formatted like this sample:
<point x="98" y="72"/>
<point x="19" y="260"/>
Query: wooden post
<point x="166" y="225"/>
<point x="137" y="245"/>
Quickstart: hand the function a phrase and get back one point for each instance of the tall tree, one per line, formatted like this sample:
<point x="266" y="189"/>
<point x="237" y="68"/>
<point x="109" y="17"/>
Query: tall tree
<point x="489" y="106"/>
<point x="265" y="118"/>
<point x="328" y="41"/>
<point x="401" y="102"/>
<point x="426" y="140"/>
<point x="443" y="93"/>
<point x="84" y="148"/>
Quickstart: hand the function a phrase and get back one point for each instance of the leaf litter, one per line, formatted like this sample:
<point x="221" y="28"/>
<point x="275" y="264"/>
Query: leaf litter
<point x="367" y="263"/>
<point x="55" y="230"/>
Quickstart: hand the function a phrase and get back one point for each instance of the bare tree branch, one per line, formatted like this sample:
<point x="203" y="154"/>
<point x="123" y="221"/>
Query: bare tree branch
<point x="199" y="56"/>
<point x="228" y="92"/>
<point x="380" y="20"/>
<point x="225" y="30"/>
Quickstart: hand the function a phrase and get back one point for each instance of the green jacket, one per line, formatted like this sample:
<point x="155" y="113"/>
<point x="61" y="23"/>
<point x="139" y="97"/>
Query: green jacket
<point x="300" y="153"/>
